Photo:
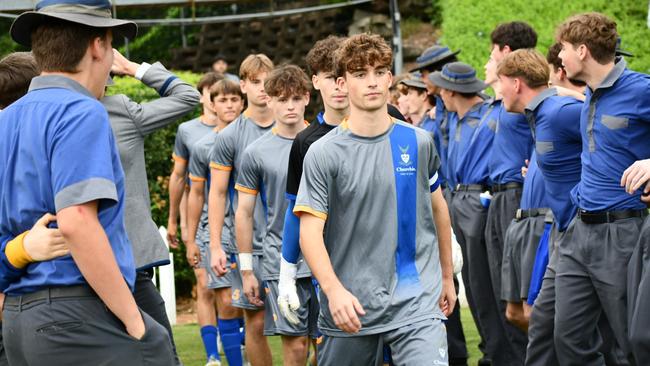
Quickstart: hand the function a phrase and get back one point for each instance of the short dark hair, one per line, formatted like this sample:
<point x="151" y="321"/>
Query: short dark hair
<point x="287" y="81"/>
<point x="362" y="50"/>
<point x="553" y="58"/>
<point x="321" y="57"/>
<point x="208" y="79"/>
<point x="16" y="72"/>
<point x="515" y="35"/>
<point x="59" y="45"/>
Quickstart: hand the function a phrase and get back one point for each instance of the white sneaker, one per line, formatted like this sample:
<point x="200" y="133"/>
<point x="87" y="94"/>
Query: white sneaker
<point x="213" y="362"/>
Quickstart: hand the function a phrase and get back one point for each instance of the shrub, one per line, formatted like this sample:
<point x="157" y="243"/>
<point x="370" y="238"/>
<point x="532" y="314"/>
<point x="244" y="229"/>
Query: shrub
<point x="467" y="24"/>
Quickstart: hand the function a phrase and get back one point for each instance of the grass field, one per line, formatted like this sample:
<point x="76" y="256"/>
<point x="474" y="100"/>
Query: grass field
<point x="191" y="351"/>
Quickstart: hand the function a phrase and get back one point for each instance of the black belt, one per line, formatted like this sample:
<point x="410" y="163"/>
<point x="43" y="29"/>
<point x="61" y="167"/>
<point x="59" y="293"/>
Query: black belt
<point x="506" y="186"/>
<point x="533" y="212"/>
<point x="50" y="293"/>
<point x="609" y="216"/>
<point x="471" y="187"/>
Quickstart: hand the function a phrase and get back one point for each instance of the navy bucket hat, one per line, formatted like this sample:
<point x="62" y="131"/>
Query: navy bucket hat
<point x="459" y="77"/>
<point x="433" y="55"/>
<point x="93" y="13"/>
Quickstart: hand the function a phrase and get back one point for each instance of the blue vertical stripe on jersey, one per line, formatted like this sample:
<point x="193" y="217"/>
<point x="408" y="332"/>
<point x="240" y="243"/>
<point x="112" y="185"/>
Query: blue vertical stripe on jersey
<point x="404" y="147"/>
<point x="231" y="193"/>
<point x="265" y="204"/>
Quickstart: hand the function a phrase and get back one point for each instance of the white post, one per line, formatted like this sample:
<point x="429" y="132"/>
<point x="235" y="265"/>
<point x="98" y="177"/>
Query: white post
<point x="166" y="284"/>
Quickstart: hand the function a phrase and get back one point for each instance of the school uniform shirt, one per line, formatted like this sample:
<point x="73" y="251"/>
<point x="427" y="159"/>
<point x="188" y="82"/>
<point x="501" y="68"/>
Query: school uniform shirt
<point x="461" y="132"/>
<point x="187" y="135"/>
<point x="374" y="194"/>
<point x="512" y="145"/>
<point x="533" y="194"/>
<point x="58" y="151"/>
<point x="264" y="172"/>
<point x="556" y="128"/>
<point x="439" y="127"/>
<point x="227" y="153"/>
<point x="615" y="128"/>
<point x="473" y="166"/>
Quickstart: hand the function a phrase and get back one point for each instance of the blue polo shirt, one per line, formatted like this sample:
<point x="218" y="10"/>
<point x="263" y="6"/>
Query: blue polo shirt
<point x="460" y="135"/>
<point x="513" y="143"/>
<point x="556" y="123"/>
<point x="58" y="151"/>
<point x="533" y="195"/>
<point x="615" y="127"/>
<point x="439" y="127"/>
<point x="472" y="166"/>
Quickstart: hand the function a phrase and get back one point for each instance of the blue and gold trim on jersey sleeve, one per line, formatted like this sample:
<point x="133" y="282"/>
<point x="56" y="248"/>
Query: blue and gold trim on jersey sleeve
<point x="300" y="209"/>
<point x="224" y="168"/>
<point x="246" y="189"/>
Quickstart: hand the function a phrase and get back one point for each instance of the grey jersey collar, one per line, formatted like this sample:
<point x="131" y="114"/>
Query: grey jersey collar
<point x="58" y="81"/>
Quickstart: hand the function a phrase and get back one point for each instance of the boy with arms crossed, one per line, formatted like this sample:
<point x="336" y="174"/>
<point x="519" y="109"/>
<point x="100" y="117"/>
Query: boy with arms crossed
<point x="226" y="102"/>
<point x="263" y="171"/>
<point x="225" y="163"/>
<point x="373" y="295"/>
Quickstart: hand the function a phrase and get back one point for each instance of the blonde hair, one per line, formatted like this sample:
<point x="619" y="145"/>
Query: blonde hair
<point x="527" y="64"/>
<point x="254" y="65"/>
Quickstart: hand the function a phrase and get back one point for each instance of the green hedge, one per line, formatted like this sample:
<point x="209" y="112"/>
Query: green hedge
<point x="158" y="152"/>
<point x="467" y="24"/>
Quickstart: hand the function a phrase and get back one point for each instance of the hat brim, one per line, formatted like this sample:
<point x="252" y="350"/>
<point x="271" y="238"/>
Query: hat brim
<point x="21" y="29"/>
<point x="413" y="84"/>
<point x="434" y="61"/>
<point x="473" y="87"/>
<point x="620" y="52"/>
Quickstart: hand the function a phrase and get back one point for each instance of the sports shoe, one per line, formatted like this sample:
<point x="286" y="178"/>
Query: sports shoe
<point x="213" y="362"/>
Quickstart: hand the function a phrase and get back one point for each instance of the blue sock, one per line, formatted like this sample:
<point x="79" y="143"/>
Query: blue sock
<point x="231" y="340"/>
<point x="209" y="337"/>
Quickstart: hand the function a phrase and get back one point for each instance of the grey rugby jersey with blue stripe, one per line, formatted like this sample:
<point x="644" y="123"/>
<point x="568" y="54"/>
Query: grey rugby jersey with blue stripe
<point x="375" y="195"/>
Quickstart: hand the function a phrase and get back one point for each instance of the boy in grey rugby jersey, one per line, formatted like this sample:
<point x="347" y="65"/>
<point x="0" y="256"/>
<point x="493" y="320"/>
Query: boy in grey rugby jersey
<point x="225" y="162"/>
<point x="263" y="170"/>
<point x="375" y="227"/>
<point x="226" y="101"/>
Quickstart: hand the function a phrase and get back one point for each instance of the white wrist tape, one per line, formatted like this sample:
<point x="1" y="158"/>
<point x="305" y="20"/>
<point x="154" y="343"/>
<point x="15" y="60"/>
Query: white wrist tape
<point x="245" y="261"/>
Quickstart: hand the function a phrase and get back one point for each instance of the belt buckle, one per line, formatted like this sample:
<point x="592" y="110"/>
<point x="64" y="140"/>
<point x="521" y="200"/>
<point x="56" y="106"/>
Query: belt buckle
<point x="518" y="214"/>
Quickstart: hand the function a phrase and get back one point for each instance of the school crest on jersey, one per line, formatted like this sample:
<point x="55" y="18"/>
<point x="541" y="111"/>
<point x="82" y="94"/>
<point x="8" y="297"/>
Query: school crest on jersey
<point x="405" y="156"/>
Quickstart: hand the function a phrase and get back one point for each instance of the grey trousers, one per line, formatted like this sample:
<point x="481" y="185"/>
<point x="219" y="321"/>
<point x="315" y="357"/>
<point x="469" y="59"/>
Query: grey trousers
<point x="639" y="297"/>
<point x="591" y="280"/>
<point x="468" y="220"/>
<point x="79" y="331"/>
<point x="541" y="348"/>
<point x="502" y="210"/>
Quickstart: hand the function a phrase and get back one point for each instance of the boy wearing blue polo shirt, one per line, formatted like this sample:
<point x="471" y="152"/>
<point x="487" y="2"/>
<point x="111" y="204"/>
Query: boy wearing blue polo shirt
<point x="82" y="299"/>
<point x="554" y="122"/>
<point x="592" y="267"/>
<point x="470" y="139"/>
<point x="397" y="294"/>
<point x="511" y="148"/>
